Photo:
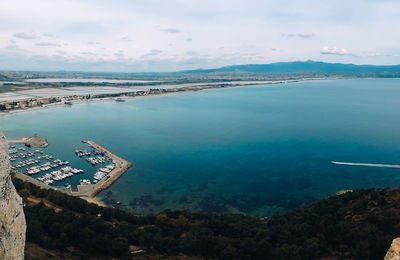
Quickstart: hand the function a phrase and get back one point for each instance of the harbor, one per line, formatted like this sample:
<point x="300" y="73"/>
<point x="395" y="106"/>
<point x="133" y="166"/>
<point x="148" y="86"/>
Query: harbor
<point x="48" y="171"/>
<point x="106" y="176"/>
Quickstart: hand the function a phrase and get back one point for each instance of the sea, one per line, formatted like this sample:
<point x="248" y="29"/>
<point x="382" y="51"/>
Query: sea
<point x="255" y="150"/>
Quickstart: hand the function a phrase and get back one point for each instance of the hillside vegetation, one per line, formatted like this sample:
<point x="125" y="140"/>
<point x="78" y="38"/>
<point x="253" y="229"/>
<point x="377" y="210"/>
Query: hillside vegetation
<point x="355" y="225"/>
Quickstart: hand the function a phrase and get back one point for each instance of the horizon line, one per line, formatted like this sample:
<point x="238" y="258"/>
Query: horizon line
<point x="198" y="69"/>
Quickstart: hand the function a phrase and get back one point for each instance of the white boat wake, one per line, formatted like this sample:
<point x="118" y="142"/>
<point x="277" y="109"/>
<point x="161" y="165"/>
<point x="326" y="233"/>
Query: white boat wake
<point x="369" y="164"/>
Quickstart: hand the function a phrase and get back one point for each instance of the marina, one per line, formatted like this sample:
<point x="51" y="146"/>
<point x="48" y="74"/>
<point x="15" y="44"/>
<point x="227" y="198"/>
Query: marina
<point x="106" y="175"/>
<point x="36" y="166"/>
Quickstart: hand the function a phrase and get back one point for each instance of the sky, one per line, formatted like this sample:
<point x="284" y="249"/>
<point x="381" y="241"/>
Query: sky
<point x="171" y="35"/>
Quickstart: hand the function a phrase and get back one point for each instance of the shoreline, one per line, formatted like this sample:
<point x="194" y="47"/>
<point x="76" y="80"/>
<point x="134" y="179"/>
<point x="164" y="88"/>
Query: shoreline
<point x="164" y="92"/>
<point x="89" y="192"/>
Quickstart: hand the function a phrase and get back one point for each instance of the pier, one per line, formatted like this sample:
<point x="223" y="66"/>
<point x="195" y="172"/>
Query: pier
<point x="88" y="192"/>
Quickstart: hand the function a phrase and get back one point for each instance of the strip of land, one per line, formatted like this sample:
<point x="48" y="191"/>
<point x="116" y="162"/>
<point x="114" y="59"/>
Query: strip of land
<point x="34" y="141"/>
<point x="24" y="100"/>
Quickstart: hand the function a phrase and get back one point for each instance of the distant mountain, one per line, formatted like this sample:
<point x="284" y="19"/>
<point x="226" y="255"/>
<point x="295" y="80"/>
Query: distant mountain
<point x="248" y="71"/>
<point x="304" y="68"/>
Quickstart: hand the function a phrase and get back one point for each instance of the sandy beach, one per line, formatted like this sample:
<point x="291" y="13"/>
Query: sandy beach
<point x="38" y="93"/>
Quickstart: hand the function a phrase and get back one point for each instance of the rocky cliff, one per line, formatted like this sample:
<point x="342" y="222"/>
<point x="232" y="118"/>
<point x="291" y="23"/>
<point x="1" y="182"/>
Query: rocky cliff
<point x="394" y="251"/>
<point x="12" y="218"/>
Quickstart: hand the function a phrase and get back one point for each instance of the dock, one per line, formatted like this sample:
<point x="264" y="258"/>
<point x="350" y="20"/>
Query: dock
<point x="89" y="192"/>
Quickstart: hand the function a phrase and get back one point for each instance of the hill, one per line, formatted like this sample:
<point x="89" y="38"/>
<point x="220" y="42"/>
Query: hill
<point x="304" y="68"/>
<point x="356" y="225"/>
<point x="280" y="70"/>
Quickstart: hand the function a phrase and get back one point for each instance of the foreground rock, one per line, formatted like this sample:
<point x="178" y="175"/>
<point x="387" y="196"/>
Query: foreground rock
<point x="394" y="251"/>
<point x="12" y="218"/>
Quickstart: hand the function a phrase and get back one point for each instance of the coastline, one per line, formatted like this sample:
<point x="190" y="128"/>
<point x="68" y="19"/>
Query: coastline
<point x="164" y="92"/>
<point x="118" y="196"/>
<point x="89" y="192"/>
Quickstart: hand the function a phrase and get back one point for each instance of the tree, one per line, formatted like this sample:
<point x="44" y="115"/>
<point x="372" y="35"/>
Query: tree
<point x="24" y="193"/>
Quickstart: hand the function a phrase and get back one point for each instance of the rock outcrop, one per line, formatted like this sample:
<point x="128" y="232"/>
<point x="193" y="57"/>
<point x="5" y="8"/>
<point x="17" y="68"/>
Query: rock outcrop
<point x="394" y="251"/>
<point x="34" y="141"/>
<point x="12" y="218"/>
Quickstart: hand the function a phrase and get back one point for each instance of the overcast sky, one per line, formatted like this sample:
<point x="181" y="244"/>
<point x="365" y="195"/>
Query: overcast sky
<point x="169" y="35"/>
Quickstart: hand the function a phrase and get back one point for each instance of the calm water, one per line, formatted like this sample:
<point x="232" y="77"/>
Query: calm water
<point x="256" y="150"/>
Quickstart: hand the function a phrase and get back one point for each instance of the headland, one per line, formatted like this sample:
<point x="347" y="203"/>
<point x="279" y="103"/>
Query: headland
<point x="34" y="141"/>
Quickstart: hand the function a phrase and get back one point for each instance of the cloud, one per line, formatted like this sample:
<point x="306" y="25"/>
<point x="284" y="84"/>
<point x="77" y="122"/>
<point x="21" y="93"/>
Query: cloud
<point x="12" y="47"/>
<point x="191" y="53"/>
<point x="92" y="43"/>
<point x="13" y="41"/>
<point x="334" y="51"/>
<point x="119" y="54"/>
<point x="152" y="52"/>
<point x="47" y="44"/>
<point x="25" y="36"/>
<point x="87" y="53"/>
<point x="298" y="35"/>
<point x="125" y="38"/>
<point x="267" y="28"/>
<point x="171" y="30"/>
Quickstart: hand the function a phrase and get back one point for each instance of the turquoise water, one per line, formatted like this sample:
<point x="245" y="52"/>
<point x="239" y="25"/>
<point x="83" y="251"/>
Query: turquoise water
<point x="255" y="150"/>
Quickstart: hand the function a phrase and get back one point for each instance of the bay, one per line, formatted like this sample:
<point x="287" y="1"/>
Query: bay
<point x="255" y="150"/>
